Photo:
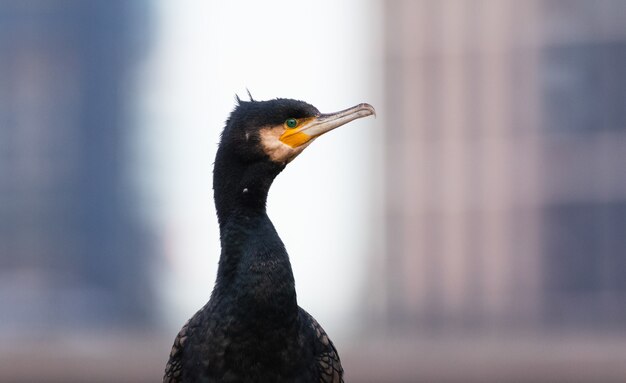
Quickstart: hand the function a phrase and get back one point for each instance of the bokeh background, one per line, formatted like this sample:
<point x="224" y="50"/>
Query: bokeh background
<point x="474" y="232"/>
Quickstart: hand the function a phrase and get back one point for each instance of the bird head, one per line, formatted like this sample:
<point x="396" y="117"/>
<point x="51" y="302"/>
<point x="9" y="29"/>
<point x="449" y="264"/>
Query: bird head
<point x="259" y="140"/>
<point x="280" y="129"/>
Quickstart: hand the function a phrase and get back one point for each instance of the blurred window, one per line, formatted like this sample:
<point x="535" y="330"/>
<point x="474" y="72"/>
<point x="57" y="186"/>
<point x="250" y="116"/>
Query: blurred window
<point x="584" y="86"/>
<point x="585" y="262"/>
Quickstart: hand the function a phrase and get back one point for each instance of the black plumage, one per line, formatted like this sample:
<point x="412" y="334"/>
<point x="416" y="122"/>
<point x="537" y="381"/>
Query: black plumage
<point x="252" y="329"/>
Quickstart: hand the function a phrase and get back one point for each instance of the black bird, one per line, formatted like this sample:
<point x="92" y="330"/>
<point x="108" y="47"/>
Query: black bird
<point x="252" y="329"/>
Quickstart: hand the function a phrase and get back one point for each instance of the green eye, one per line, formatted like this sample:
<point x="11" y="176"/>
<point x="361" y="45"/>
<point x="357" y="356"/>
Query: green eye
<point x="291" y="123"/>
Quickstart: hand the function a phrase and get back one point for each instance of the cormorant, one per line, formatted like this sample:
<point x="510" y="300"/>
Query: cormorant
<point x="252" y="329"/>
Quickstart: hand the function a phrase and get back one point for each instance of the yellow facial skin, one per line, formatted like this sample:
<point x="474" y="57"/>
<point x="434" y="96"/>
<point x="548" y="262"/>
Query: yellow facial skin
<point x="283" y="143"/>
<point x="277" y="150"/>
<point x="295" y="137"/>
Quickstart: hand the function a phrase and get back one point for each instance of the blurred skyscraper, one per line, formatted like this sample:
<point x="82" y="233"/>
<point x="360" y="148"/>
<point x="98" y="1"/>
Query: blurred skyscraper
<point x="506" y="125"/>
<point x="72" y="252"/>
<point x="583" y="97"/>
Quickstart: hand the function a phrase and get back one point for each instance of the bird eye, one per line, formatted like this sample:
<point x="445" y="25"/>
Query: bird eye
<point x="291" y="123"/>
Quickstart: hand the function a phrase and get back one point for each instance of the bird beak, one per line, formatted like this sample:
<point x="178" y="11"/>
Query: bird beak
<point x="310" y="128"/>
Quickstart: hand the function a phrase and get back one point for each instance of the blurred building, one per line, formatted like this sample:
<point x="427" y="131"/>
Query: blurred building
<point x="72" y="251"/>
<point x="506" y="145"/>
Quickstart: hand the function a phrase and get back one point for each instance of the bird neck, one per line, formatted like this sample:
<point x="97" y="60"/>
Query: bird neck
<point x="254" y="270"/>
<point x="254" y="274"/>
<point x="240" y="189"/>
